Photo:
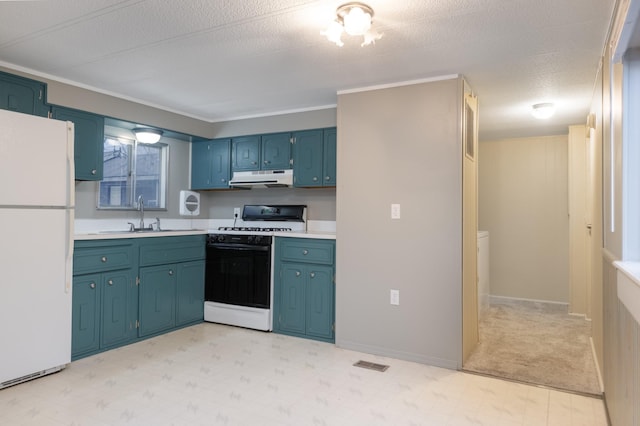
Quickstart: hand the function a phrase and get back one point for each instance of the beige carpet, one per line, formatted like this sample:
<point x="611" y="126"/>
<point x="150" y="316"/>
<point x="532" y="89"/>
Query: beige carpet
<point x="536" y="343"/>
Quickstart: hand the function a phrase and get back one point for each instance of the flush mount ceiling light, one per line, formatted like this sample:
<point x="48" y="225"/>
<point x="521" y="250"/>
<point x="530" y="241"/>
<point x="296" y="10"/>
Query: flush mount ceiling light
<point x="543" y="111"/>
<point x="354" y="19"/>
<point x="147" y="135"/>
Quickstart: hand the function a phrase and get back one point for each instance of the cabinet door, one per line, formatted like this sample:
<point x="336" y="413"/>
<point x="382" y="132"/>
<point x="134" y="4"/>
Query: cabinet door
<point x="211" y="164"/>
<point x="157" y="299"/>
<point x="320" y="302"/>
<point x="89" y="141"/>
<point x="245" y="153"/>
<point x="22" y="95"/>
<point x="85" y="330"/>
<point x="291" y="299"/>
<point x="307" y="158"/>
<point x="201" y="165"/>
<point x="190" y="289"/>
<point x="118" y="324"/>
<point x="220" y="163"/>
<point x="276" y="151"/>
<point x="329" y="158"/>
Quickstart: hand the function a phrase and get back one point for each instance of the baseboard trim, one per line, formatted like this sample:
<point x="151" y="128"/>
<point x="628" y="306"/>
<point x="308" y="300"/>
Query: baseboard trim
<point x="595" y="359"/>
<point x="507" y="299"/>
<point x="401" y="355"/>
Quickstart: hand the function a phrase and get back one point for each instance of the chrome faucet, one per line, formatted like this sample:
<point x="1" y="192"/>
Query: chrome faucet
<point x="141" y="208"/>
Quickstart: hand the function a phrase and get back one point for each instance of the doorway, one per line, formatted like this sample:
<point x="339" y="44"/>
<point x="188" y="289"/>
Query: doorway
<point x="527" y="333"/>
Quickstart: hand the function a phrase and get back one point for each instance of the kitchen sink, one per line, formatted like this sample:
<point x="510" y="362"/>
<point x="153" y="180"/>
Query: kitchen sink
<point x="138" y="231"/>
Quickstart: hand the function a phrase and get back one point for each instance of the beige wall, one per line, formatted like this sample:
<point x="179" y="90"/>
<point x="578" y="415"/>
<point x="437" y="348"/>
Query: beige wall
<point x="523" y="204"/>
<point x="401" y="145"/>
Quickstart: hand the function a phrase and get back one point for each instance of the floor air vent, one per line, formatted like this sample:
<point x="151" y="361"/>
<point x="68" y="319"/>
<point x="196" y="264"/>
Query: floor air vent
<point x="371" y="366"/>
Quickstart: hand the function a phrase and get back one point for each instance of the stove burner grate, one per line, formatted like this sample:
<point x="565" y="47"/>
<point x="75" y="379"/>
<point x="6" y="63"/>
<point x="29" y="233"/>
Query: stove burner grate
<point x="251" y="229"/>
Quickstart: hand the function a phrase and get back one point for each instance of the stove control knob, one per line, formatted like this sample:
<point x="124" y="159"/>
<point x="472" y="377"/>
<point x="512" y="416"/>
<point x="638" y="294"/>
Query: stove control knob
<point x="258" y="239"/>
<point x="221" y="238"/>
<point x="250" y="239"/>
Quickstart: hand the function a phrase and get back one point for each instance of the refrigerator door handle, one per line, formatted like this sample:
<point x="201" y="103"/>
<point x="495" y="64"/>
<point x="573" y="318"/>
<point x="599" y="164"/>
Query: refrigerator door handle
<point x="71" y="169"/>
<point x="69" y="240"/>
<point x="71" y="192"/>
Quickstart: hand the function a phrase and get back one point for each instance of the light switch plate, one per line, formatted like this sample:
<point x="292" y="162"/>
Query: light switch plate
<point x="394" y="297"/>
<point x="395" y="211"/>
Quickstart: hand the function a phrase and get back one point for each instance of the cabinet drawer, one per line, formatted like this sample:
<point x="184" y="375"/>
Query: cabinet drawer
<point x="97" y="259"/>
<point x="306" y="250"/>
<point x="160" y="251"/>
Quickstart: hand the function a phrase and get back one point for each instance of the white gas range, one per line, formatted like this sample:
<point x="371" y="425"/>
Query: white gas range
<point x="239" y="273"/>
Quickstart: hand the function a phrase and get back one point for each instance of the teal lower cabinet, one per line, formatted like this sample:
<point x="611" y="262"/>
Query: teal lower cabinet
<point x="128" y="289"/>
<point x="304" y="291"/>
<point x="104" y="306"/>
<point x="119" y="297"/>
<point x="190" y="293"/>
<point x="171" y="283"/>
<point x="157" y="299"/>
<point x="85" y="337"/>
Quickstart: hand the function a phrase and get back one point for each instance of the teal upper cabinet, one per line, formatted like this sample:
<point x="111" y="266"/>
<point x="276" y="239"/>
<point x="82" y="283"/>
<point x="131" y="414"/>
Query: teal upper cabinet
<point x="89" y="141"/>
<point x="22" y="95"/>
<point x="261" y="152"/>
<point x="245" y="153"/>
<point x="276" y="151"/>
<point x="329" y="156"/>
<point x="210" y="164"/>
<point x="314" y="158"/>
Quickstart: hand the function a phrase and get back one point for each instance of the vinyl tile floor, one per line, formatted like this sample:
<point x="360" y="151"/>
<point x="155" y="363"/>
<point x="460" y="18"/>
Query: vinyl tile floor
<point x="211" y="374"/>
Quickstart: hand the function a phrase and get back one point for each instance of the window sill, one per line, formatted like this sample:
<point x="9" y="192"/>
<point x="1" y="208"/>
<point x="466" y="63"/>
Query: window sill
<point x="628" y="282"/>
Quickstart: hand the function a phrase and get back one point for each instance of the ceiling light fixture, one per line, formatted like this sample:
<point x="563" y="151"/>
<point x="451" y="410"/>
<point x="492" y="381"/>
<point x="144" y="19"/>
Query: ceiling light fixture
<point x="543" y="111"/>
<point x="354" y="19"/>
<point x="147" y="135"/>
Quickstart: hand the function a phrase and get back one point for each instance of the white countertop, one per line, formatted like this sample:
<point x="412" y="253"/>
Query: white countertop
<point x="109" y="235"/>
<point x="112" y="229"/>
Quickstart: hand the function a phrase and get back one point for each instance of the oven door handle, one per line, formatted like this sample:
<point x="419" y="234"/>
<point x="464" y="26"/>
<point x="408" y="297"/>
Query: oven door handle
<point x="241" y="247"/>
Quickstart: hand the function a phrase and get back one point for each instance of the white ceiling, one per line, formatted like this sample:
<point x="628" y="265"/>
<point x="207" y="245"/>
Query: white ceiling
<point x="224" y="59"/>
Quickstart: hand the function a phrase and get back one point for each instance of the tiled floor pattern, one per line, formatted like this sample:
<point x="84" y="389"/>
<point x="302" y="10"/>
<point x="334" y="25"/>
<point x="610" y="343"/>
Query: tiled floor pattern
<point x="211" y="374"/>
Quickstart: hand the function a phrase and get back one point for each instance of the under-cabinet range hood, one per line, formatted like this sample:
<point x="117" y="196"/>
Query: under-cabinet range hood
<point x="262" y="179"/>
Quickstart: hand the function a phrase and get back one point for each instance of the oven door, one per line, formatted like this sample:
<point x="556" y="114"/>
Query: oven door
<point x="238" y="274"/>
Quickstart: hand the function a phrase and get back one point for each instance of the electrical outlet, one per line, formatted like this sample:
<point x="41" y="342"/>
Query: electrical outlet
<point x="394" y="296"/>
<point x="236" y="212"/>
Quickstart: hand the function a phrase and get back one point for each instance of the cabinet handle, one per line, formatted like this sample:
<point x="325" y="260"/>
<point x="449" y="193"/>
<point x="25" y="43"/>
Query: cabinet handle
<point x="297" y="273"/>
<point x="223" y="180"/>
<point x="315" y="178"/>
<point x="305" y="252"/>
<point x="254" y="162"/>
<point x="94" y="171"/>
<point x="103" y="259"/>
<point x="92" y="285"/>
<point x="312" y="275"/>
<point x="170" y="271"/>
<point x="110" y="282"/>
<point x="327" y="178"/>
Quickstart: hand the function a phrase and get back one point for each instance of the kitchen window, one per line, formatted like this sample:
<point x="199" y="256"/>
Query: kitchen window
<point x="132" y="169"/>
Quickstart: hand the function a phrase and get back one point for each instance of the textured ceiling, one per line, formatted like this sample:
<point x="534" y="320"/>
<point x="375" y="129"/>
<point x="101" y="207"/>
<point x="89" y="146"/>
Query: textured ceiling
<point x="225" y="59"/>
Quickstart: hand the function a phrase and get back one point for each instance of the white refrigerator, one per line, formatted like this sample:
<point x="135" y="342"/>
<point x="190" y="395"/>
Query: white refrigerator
<point x="36" y="249"/>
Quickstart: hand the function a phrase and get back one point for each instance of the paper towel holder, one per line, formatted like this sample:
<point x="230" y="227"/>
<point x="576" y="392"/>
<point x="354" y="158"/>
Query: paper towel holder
<point x="189" y="203"/>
